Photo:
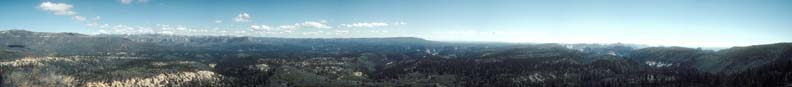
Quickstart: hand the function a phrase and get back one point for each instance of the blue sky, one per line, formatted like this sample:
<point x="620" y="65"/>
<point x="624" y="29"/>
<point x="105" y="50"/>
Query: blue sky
<point x="692" y="23"/>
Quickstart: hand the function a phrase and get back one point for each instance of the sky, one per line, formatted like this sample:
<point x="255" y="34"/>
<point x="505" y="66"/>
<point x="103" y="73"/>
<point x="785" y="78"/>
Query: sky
<point x="690" y="23"/>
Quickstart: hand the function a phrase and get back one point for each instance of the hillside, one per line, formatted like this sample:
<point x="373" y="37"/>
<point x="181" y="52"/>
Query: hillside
<point x="71" y="59"/>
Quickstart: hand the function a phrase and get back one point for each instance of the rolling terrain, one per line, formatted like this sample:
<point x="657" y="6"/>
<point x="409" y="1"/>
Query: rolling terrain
<point x="42" y="59"/>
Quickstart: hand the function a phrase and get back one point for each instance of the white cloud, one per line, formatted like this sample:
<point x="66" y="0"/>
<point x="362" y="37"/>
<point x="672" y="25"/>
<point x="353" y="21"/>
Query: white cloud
<point x="66" y="9"/>
<point x="313" y="24"/>
<point x="218" y="21"/>
<point x="57" y="8"/>
<point x="80" y="18"/>
<point x="307" y="24"/>
<point x="143" y="1"/>
<point x="242" y="17"/>
<point x="287" y="27"/>
<point x="104" y="26"/>
<point x="132" y="1"/>
<point x="369" y="24"/>
<point x="255" y="26"/>
<point x="300" y="29"/>
<point x="97" y="18"/>
<point x="260" y="27"/>
<point x="126" y="1"/>
<point x="399" y="23"/>
<point x="92" y="24"/>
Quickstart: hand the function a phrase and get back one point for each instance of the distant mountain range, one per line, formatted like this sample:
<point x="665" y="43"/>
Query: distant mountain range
<point x="397" y="61"/>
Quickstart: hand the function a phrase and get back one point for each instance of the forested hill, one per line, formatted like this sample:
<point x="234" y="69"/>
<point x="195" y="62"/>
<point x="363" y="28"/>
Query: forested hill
<point x="125" y="60"/>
